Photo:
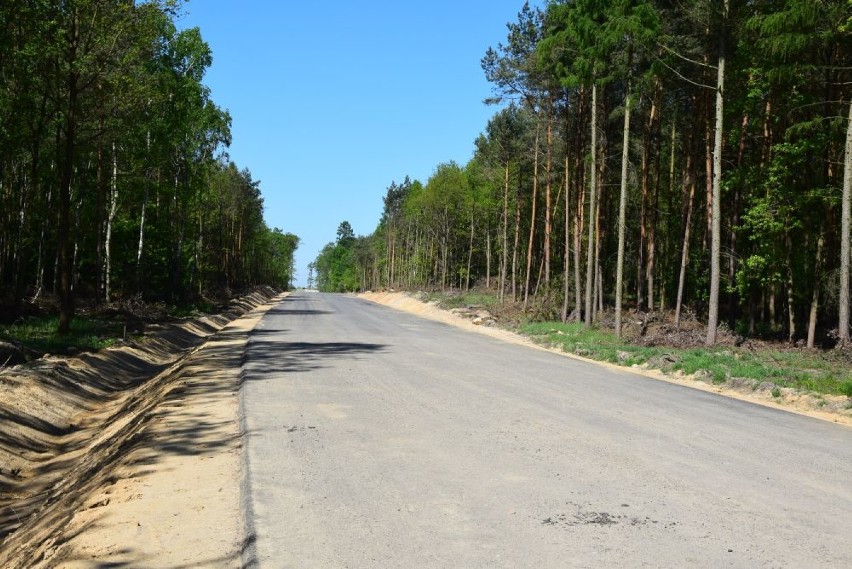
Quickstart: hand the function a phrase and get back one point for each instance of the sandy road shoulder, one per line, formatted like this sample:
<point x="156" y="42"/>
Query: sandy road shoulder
<point x="175" y="498"/>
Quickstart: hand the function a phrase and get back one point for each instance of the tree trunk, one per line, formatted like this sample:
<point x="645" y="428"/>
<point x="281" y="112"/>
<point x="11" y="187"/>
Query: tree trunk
<point x="566" y="292"/>
<point x="17" y="253"/>
<point x="715" y="238"/>
<point x="199" y="246"/>
<point x="40" y="261"/>
<point x="733" y="301"/>
<point x="669" y="232"/>
<point x="487" y="260"/>
<point x="579" y="215"/>
<point x="548" y="229"/>
<point x="113" y="207"/>
<point x="517" y="239"/>
<point x="176" y="290"/>
<point x="791" y="309"/>
<point x="708" y="181"/>
<point x="650" y="266"/>
<point x="469" y="255"/>
<point x="538" y="279"/>
<point x="597" y="299"/>
<point x="505" y="253"/>
<point x="600" y="289"/>
<point x="622" y="213"/>
<point x="843" y="323"/>
<point x="643" y="211"/>
<point x="445" y="250"/>
<point x="532" y="221"/>
<point x="652" y="259"/>
<point x="392" y="261"/>
<point x="66" y="301"/>
<point x="772" y="319"/>
<point x="101" y="228"/>
<point x="812" y="320"/>
<point x="590" y="264"/>
<point x="684" y="256"/>
<point x="141" y="242"/>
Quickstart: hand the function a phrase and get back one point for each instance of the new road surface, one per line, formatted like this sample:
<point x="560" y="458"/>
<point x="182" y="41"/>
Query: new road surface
<point x="375" y="438"/>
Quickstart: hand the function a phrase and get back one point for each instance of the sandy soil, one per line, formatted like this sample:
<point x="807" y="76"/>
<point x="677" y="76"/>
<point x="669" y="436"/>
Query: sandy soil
<point x="828" y="408"/>
<point x="128" y="458"/>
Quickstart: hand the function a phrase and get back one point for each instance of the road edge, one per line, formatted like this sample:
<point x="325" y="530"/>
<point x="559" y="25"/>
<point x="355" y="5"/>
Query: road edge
<point x="248" y="546"/>
<point x="506" y="335"/>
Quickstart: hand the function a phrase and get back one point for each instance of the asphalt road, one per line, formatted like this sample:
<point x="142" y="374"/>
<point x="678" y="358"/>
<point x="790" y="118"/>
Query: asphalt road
<point x="375" y="438"/>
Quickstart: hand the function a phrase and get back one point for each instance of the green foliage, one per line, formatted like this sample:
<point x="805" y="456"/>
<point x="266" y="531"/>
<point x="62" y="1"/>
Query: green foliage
<point x="808" y="371"/>
<point x="512" y="67"/>
<point x="339" y="266"/>
<point x="345" y="234"/>
<point x="113" y="152"/>
<point x="461" y="300"/>
<point x="40" y="335"/>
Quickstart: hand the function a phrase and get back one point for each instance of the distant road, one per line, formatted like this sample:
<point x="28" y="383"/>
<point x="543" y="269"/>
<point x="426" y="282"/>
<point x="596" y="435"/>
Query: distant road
<point x="379" y="439"/>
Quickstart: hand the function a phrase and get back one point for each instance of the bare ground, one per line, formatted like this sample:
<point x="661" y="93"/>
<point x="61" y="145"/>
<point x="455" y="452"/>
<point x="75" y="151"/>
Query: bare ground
<point x="103" y="461"/>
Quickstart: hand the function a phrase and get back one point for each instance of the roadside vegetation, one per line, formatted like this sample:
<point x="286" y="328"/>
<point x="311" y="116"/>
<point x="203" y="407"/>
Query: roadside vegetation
<point x="100" y="326"/>
<point x="96" y="326"/>
<point x="808" y="370"/>
<point x="771" y="366"/>
<point x="38" y="335"/>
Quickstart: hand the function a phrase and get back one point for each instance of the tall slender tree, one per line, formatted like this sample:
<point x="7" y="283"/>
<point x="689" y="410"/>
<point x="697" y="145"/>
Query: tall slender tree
<point x="716" y="237"/>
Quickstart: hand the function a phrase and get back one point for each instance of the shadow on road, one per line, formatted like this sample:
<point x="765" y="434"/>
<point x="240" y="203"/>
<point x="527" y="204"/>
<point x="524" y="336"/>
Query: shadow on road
<point x="101" y="386"/>
<point x="282" y="309"/>
<point x="266" y="357"/>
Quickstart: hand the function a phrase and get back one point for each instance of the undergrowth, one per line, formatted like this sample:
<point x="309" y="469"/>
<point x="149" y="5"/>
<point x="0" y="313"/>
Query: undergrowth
<point x="461" y="299"/>
<point x="94" y="329"/>
<point x="803" y="370"/>
<point x="39" y="334"/>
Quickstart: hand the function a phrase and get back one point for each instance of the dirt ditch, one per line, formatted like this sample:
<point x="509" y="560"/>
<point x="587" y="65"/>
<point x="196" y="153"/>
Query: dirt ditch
<point x="67" y="422"/>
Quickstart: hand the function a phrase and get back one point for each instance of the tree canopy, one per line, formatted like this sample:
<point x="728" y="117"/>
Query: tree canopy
<point x="113" y="175"/>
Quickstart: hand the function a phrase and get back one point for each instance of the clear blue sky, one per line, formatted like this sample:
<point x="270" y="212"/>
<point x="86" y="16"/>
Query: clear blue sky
<point x="332" y="101"/>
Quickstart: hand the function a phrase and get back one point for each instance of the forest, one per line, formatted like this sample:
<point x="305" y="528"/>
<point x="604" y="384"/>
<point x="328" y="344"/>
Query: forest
<point x="645" y="156"/>
<point x="114" y="179"/>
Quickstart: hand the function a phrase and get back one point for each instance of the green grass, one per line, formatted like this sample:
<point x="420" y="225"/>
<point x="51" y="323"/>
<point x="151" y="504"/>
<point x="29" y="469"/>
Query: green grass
<point x="93" y="333"/>
<point x="39" y="334"/>
<point x="808" y="371"/>
<point x="814" y="371"/>
<point x="193" y="310"/>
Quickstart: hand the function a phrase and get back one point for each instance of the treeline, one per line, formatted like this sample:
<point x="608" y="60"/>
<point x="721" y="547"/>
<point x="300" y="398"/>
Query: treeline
<point x="113" y="181"/>
<point x="342" y="266"/>
<point x="651" y="155"/>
